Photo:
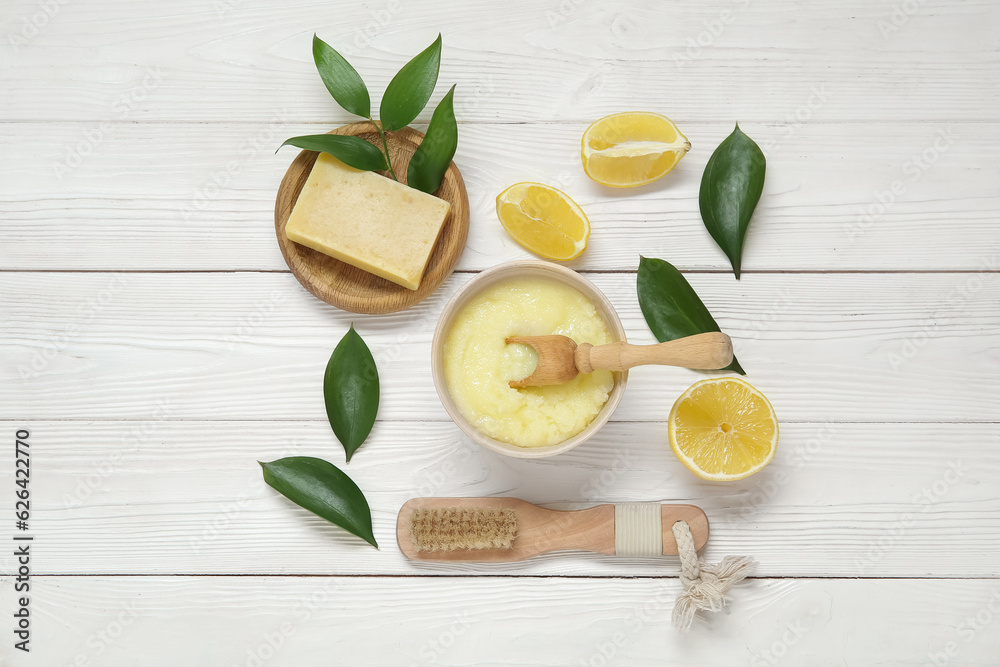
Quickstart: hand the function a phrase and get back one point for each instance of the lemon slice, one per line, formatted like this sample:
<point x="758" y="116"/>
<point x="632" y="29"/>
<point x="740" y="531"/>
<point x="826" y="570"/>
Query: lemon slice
<point x="723" y="429"/>
<point x="544" y="220"/>
<point x="634" y="148"/>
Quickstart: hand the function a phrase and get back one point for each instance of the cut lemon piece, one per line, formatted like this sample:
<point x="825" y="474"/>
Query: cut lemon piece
<point x="723" y="429"/>
<point x="544" y="220"/>
<point x="634" y="148"/>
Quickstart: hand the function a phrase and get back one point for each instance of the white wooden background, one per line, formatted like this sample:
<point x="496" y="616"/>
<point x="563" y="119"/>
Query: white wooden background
<point x="156" y="346"/>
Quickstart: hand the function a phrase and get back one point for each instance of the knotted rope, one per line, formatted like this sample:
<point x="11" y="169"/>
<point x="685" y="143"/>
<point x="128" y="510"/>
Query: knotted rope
<point x="706" y="586"/>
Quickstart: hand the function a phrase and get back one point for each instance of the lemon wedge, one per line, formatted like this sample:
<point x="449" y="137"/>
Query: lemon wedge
<point x="544" y="220"/>
<point x="625" y="150"/>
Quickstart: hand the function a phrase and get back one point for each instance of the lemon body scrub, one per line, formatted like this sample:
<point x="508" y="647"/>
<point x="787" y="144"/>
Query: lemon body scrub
<point x="479" y="364"/>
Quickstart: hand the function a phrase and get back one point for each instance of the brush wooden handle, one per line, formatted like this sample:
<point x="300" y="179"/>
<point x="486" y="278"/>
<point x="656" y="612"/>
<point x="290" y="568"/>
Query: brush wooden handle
<point x="706" y="351"/>
<point x="541" y="530"/>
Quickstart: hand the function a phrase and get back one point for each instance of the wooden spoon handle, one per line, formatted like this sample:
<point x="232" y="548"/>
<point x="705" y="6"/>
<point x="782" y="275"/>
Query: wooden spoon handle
<point x="707" y="351"/>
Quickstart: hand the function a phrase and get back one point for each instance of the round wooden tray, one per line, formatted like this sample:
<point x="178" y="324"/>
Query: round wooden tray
<point x="351" y="288"/>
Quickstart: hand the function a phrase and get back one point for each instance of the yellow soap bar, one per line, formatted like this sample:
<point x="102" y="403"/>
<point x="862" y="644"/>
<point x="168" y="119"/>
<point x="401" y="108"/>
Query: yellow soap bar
<point x="367" y="220"/>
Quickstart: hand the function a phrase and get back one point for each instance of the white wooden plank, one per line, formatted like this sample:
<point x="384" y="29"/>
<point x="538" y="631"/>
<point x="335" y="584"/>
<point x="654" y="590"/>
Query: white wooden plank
<point x="287" y="622"/>
<point x="201" y="196"/>
<point x="868" y="347"/>
<point x="842" y="96"/>
<point x="525" y="61"/>
<point x="167" y="497"/>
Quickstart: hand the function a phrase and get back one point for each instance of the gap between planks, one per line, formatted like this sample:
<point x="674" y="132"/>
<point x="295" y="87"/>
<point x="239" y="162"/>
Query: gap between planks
<point x="305" y="420"/>
<point x="769" y="121"/>
<point x="610" y="577"/>
<point x="809" y="272"/>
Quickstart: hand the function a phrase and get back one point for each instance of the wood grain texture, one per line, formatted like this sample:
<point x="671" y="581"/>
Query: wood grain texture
<point x="206" y="201"/>
<point x="350" y="288"/>
<point x="248" y="60"/>
<point x="838" y="500"/>
<point x="846" y="347"/>
<point x="138" y="138"/>
<point x="290" y="622"/>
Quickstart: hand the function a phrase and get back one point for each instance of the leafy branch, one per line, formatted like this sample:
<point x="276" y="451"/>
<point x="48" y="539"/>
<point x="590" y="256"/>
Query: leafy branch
<point x="405" y="97"/>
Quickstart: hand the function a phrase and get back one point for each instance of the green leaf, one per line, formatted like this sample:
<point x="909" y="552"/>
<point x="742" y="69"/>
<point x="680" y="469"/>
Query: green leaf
<point x="323" y="489"/>
<point x="350" y="389"/>
<point x="352" y="151"/>
<point x="434" y="154"/>
<point x="408" y="92"/>
<point x="670" y="305"/>
<point x="730" y="190"/>
<point x="342" y="80"/>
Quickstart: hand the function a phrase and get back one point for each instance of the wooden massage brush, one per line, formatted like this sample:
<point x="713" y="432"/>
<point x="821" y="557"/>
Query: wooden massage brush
<point x="502" y="530"/>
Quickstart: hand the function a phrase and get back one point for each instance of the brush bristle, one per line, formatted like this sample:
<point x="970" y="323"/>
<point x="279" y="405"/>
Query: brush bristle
<point x="451" y="528"/>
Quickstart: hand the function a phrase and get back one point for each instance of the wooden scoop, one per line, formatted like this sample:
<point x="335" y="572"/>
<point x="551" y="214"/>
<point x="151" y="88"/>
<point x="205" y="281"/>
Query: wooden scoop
<point x="560" y="359"/>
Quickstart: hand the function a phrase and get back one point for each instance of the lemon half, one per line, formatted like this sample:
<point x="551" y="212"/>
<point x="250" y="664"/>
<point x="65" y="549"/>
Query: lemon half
<point x="723" y="429"/>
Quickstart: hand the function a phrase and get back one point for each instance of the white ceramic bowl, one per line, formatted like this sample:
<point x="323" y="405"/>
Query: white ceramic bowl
<point x="522" y="269"/>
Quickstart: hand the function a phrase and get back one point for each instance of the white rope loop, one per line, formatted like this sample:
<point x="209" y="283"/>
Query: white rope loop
<point x="638" y="530"/>
<point x="706" y="587"/>
<point x="639" y="534"/>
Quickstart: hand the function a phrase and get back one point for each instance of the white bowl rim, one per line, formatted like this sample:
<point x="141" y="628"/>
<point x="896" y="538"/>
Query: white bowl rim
<point x="486" y="278"/>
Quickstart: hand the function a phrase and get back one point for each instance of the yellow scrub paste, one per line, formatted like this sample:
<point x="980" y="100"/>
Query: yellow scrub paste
<point x="478" y="364"/>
